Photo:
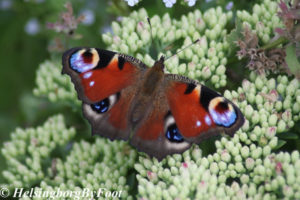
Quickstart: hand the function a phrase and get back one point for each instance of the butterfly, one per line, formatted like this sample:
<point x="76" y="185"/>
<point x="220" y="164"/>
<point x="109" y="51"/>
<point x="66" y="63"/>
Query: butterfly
<point x="161" y="114"/>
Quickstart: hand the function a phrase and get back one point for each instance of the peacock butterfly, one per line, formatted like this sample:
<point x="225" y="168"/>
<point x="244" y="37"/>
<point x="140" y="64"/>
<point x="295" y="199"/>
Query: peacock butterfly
<point x="160" y="113"/>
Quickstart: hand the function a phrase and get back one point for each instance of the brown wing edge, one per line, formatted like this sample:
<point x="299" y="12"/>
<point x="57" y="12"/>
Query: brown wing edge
<point x="157" y="148"/>
<point x="101" y="126"/>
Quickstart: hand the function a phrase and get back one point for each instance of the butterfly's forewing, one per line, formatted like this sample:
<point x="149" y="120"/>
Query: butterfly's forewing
<point x="104" y="81"/>
<point x="98" y="73"/>
<point x="200" y="112"/>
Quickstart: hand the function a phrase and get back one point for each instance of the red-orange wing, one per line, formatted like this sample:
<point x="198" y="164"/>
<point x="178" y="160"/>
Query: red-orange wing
<point x="200" y="112"/>
<point x="106" y="83"/>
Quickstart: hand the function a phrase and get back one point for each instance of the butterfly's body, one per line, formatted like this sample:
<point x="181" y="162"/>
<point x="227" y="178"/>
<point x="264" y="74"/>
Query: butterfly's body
<point x="148" y="92"/>
<point x="160" y="113"/>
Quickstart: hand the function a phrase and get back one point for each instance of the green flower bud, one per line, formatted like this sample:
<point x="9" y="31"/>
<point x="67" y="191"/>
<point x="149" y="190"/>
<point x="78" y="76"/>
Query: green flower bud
<point x="221" y="179"/>
<point x="214" y="168"/>
<point x="291" y="124"/>
<point x="290" y="89"/>
<point x="210" y="158"/>
<point x="259" y="83"/>
<point x="259" y="99"/>
<point x="222" y="166"/>
<point x="204" y="162"/>
<point x="206" y="73"/>
<point x="227" y="94"/>
<point x="281" y="88"/>
<point x="182" y="68"/>
<point x="245" y="151"/>
<point x="298" y="98"/>
<point x="266" y="150"/>
<point x="256" y="153"/>
<point x="252" y="190"/>
<point x="215" y="62"/>
<point x="286" y="115"/>
<point x="273" y="142"/>
<point x="288" y="191"/>
<point x="220" y="192"/>
<point x="278" y="105"/>
<point x="296" y="108"/>
<point x="271" y="131"/>
<point x="216" y="157"/>
<point x="263" y="118"/>
<point x="223" y="82"/>
<point x="273" y="120"/>
<point x="234" y="151"/>
<point x="245" y="179"/>
<point x="225" y="156"/>
<point x="246" y="85"/>
<point x="107" y="38"/>
<point x="223" y="61"/>
<point x="116" y="28"/>
<point x="265" y="38"/>
<point x="239" y="167"/>
<point x="124" y="48"/>
<point x="248" y="111"/>
<point x="233" y="174"/>
<point x="211" y="52"/>
<point x="281" y="126"/>
<point x="295" y="156"/>
<point x="250" y="163"/>
<point x="148" y="60"/>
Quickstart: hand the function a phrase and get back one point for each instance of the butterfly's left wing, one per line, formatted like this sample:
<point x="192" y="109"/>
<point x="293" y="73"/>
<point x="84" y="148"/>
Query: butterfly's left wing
<point x="200" y="112"/>
<point x="106" y="82"/>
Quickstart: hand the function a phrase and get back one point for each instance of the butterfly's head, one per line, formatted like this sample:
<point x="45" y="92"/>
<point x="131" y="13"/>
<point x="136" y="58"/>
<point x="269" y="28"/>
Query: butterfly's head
<point x="159" y="64"/>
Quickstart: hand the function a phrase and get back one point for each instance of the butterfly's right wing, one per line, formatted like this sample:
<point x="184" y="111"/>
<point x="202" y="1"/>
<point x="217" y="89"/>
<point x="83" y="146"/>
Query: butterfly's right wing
<point x="200" y="112"/>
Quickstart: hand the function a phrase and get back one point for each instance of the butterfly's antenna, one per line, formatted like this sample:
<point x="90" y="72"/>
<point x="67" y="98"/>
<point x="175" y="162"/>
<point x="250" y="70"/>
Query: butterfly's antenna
<point x="148" y="19"/>
<point x="183" y="49"/>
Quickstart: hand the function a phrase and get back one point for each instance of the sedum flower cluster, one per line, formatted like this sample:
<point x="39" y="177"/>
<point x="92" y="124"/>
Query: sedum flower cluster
<point x="262" y="20"/>
<point x="30" y="149"/>
<point x="54" y="86"/>
<point x="244" y="166"/>
<point x="204" y="61"/>
<point x="249" y="165"/>
<point x="46" y="159"/>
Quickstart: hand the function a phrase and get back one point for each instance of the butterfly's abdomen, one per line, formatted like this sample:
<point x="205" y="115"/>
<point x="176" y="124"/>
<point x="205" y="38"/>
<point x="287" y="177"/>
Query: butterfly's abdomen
<point x="149" y="89"/>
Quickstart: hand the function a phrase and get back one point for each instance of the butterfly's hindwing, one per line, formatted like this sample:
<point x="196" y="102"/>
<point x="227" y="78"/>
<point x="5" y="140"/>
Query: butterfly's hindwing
<point x="156" y="133"/>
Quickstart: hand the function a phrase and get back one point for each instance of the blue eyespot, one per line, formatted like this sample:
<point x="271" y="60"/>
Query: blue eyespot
<point x="226" y="118"/>
<point x="101" y="106"/>
<point x="82" y="61"/>
<point x="173" y="134"/>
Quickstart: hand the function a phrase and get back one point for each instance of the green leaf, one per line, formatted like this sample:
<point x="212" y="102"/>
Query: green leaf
<point x="288" y="136"/>
<point x="235" y="34"/>
<point x="292" y="60"/>
<point x="280" y="144"/>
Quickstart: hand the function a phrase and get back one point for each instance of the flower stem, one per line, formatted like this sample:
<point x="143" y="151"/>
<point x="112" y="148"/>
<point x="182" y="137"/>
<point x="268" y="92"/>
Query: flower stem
<point x="280" y="40"/>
